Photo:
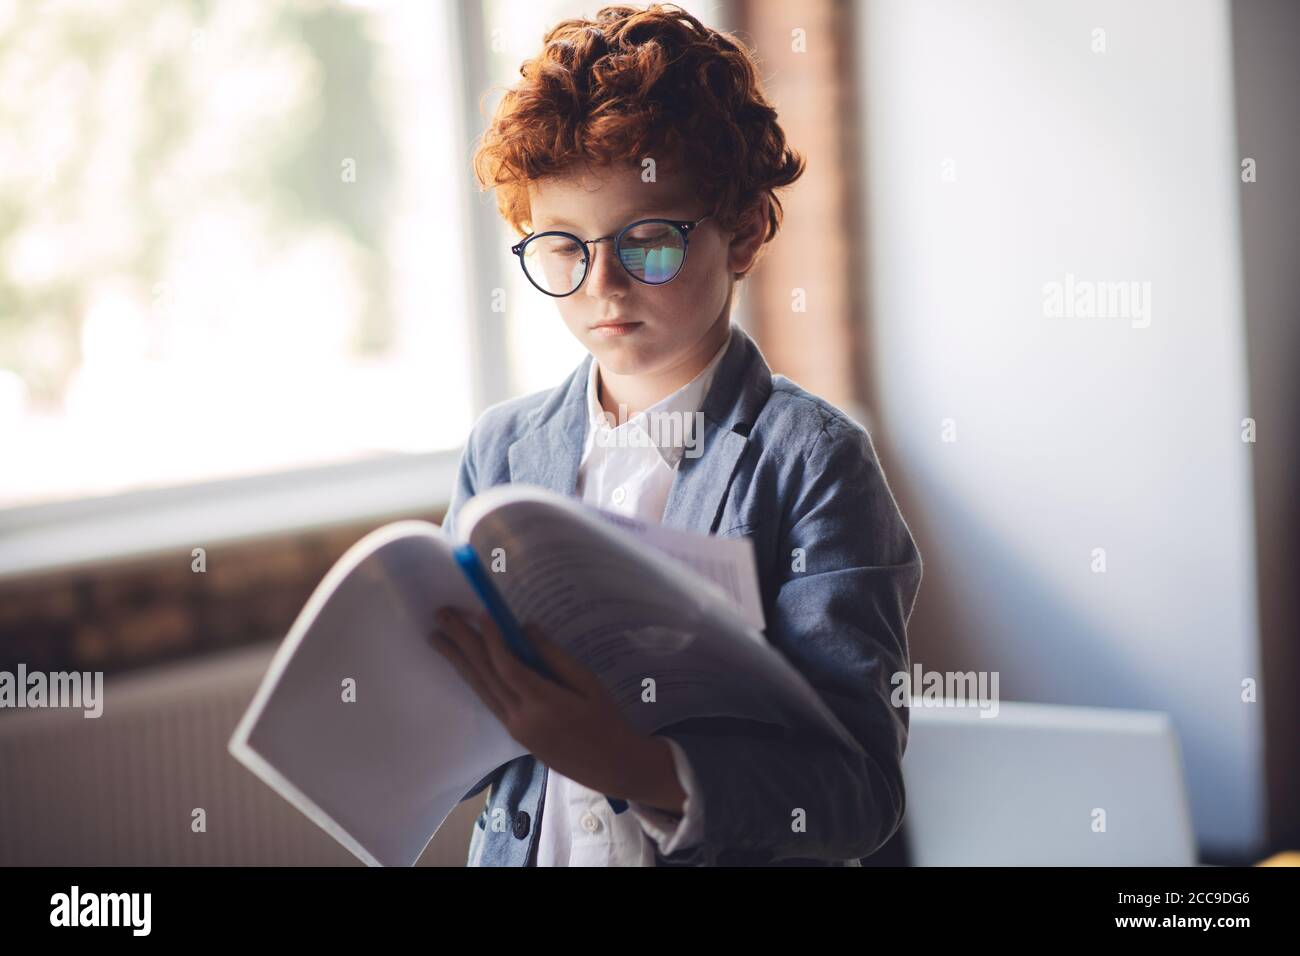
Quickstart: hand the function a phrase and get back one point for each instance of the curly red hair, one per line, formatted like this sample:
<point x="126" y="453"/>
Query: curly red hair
<point x="634" y="83"/>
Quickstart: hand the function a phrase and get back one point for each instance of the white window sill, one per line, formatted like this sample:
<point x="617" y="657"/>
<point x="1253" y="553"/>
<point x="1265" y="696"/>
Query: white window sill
<point x="67" y="535"/>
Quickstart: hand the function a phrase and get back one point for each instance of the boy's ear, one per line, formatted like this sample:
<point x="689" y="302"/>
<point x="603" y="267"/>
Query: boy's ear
<point x="748" y="238"/>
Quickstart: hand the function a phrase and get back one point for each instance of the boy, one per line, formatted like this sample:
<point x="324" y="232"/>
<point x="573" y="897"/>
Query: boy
<point x="638" y="159"/>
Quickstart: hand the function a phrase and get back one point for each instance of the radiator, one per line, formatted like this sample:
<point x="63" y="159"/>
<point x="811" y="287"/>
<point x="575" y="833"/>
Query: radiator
<point x="121" y="789"/>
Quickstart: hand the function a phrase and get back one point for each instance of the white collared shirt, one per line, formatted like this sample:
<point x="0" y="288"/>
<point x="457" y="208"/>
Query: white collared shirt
<point x="628" y="469"/>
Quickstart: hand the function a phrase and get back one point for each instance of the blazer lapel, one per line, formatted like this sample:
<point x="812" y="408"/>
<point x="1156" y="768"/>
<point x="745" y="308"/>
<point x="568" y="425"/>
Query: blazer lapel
<point x="549" y="453"/>
<point x="739" y="390"/>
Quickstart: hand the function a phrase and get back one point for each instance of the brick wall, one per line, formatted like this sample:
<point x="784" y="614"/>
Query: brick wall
<point x="116" y="617"/>
<point x="808" y="76"/>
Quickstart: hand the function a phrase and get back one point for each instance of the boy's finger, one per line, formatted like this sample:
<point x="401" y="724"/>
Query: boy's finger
<point x="513" y="670"/>
<point x="452" y="652"/>
<point x="564" y="665"/>
<point x="473" y="647"/>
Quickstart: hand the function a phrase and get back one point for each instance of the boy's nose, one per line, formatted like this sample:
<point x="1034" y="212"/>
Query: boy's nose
<point x="606" y="274"/>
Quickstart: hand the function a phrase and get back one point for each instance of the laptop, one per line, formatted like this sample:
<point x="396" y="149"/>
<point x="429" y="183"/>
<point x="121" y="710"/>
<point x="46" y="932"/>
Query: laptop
<point x="1044" y="785"/>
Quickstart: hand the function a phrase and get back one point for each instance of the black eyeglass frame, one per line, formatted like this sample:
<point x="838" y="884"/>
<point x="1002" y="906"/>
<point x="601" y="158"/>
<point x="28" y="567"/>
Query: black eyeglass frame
<point x="683" y="226"/>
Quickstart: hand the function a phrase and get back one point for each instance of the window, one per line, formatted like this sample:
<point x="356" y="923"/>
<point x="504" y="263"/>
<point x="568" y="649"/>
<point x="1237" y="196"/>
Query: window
<point x="231" y="241"/>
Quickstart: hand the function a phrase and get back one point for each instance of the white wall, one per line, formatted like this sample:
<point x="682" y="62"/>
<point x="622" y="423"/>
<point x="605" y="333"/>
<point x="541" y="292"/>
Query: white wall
<point x="1073" y="433"/>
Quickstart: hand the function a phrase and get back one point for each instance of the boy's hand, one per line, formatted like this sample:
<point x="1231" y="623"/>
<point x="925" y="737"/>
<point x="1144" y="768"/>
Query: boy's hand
<point x="570" y="724"/>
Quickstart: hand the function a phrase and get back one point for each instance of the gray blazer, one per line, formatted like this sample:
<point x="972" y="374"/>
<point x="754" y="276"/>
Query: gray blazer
<point x="839" y="573"/>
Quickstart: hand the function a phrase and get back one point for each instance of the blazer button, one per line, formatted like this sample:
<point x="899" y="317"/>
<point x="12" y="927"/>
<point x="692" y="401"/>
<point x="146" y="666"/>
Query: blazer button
<point x="521" y="824"/>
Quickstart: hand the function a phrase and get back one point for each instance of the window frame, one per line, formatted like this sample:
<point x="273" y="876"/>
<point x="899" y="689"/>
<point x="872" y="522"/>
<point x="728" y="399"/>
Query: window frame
<point x="64" y="535"/>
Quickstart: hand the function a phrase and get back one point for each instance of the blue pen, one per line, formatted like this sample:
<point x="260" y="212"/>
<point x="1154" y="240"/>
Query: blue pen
<point x="511" y="632"/>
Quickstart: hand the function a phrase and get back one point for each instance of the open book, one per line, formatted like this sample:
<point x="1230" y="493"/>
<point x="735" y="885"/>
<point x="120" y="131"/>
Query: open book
<point x="367" y="729"/>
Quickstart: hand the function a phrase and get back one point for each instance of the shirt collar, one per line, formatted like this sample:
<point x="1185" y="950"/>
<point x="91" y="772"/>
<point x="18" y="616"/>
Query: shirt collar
<point x="684" y="402"/>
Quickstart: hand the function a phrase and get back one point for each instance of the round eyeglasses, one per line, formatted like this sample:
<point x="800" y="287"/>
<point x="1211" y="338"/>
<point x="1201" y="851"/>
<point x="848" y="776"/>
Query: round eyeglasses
<point x="652" y="251"/>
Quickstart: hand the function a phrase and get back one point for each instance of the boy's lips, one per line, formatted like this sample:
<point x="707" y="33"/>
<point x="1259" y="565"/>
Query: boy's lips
<point x="617" y="327"/>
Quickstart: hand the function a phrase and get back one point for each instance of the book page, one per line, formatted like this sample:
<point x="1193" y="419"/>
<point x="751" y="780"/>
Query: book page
<point x="727" y="562"/>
